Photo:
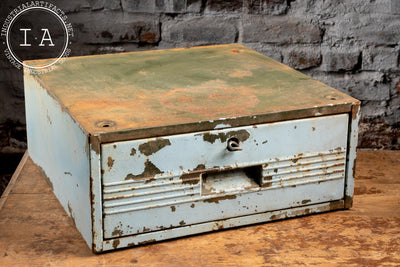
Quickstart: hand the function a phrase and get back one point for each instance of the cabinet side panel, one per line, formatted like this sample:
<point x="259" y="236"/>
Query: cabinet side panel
<point x="351" y="157"/>
<point x="59" y="147"/>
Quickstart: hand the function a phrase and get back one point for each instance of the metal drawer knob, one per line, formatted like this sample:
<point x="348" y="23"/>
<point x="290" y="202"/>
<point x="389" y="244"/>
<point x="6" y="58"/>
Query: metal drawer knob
<point x="233" y="144"/>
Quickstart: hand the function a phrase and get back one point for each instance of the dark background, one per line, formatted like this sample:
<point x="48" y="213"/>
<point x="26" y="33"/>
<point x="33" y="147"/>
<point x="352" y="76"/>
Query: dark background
<point x="352" y="45"/>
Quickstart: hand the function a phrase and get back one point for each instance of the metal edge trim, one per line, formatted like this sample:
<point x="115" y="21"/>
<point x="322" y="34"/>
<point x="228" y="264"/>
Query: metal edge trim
<point x="141" y="239"/>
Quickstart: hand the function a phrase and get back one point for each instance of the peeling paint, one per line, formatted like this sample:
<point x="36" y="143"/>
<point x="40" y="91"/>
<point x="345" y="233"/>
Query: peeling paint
<point x="191" y="178"/>
<point x="217" y="199"/>
<point x="110" y="162"/>
<point x="117" y="232"/>
<point x="150" y="170"/>
<point x="199" y="167"/>
<point x="242" y="135"/>
<point x="153" y="146"/>
<point x="115" y="243"/>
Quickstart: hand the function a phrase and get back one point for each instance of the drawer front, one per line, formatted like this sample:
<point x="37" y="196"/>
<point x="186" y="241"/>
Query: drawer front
<point x="158" y="183"/>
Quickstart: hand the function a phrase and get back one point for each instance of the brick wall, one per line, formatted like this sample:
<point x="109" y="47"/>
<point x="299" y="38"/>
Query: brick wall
<point x="352" y="45"/>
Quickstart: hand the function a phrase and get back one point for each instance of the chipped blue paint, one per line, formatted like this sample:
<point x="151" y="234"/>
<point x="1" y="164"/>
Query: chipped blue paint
<point x="302" y="162"/>
<point x="58" y="145"/>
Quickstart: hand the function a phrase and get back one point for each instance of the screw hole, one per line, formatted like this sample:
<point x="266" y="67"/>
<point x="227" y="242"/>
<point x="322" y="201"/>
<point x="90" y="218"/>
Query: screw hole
<point x="105" y="124"/>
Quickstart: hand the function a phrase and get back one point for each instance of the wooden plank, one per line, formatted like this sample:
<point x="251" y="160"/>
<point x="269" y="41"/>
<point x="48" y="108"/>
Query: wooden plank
<point x="35" y="231"/>
<point x="13" y="180"/>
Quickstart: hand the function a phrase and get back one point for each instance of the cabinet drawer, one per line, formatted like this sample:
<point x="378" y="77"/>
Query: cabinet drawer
<point x="157" y="183"/>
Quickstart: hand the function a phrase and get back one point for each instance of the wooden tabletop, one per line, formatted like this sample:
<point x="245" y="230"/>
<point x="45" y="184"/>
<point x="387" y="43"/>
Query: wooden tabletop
<point x="35" y="230"/>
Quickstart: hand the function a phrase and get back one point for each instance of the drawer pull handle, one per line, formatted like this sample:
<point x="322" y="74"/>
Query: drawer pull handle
<point x="233" y="144"/>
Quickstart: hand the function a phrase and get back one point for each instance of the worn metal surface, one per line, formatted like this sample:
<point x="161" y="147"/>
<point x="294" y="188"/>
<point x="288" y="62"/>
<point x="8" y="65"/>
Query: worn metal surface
<point x="159" y="180"/>
<point x="153" y="93"/>
<point x="135" y="144"/>
<point x="351" y="155"/>
<point x="59" y="146"/>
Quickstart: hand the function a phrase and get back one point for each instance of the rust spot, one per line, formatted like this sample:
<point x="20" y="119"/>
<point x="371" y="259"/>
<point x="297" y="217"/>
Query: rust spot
<point x="274" y="217"/>
<point x="131" y="244"/>
<point x="348" y="202"/>
<point x="110" y="162"/>
<point x="115" y="243"/>
<point x="313" y="128"/>
<point x="102" y="171"/>
<point x="242" y="135"/>
<point x="68" y="173"/>
<point x="192" y="206"/>
<point x="199" y="167"/>
<point x="295" y="127"/>
<point x="235" y="51"/>
<point x="217" y="199"/>
<point x="145" y="229"/>
<point x="182" y="223"/>
<point x="150" y="170"/>
<point x="277" y="159"/>
<point x="173" y="209"/>
<point x="275" y="170"/>
<point x="266" y="141"/>
<point x="191" y="178"/>
<point x="335" y="205"/>
<point x="149" y="180"/>
<point x="305" y="201"/>
<point x="133" y="152"/>
<point x="153" y="146"/>
<point x="267" y="184"/>
<point x="117" y="232"/>
<point x="147" y="242"/>
<point x="114" y="146"/>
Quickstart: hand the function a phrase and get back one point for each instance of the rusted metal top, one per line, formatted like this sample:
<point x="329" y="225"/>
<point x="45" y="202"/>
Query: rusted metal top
<point x="154" y="93"/>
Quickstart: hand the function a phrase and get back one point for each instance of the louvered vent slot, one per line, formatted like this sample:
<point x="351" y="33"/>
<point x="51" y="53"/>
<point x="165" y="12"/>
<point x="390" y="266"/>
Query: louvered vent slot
<point x="129" y="196"/>
<point x="304" y="168"/>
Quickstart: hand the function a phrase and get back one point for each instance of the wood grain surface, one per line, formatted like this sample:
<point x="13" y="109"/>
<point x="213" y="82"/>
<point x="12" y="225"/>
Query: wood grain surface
<point x="35" y="230"/>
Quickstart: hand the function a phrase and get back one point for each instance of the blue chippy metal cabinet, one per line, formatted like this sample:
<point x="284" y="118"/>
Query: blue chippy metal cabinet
<point x="147" y="146"/>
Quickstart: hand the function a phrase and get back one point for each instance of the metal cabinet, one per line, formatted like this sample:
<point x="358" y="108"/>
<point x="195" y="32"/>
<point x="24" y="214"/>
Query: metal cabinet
<point x="147" y="146"/>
